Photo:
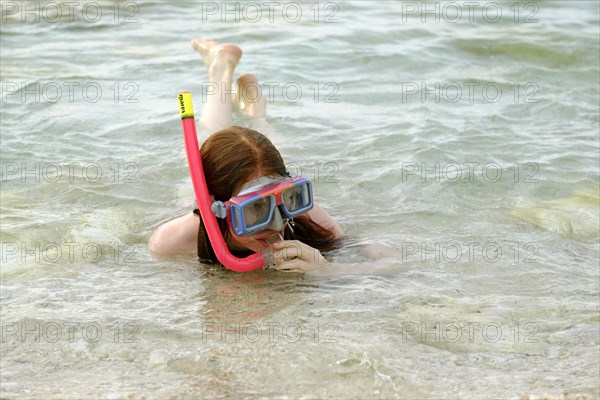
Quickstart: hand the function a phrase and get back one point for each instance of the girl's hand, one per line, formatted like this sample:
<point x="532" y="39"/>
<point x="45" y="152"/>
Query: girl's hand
<point x="296" y="256"/>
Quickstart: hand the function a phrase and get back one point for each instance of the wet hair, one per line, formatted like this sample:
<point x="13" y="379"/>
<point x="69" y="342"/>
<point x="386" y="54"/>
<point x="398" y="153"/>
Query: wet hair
<point x="234" y="156"/>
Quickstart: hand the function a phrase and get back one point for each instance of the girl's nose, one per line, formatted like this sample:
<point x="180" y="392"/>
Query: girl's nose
<point x="277" y="221"/>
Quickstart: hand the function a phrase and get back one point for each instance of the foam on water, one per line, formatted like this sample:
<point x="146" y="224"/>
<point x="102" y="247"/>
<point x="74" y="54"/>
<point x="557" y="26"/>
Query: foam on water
<point x="576" y="217"/>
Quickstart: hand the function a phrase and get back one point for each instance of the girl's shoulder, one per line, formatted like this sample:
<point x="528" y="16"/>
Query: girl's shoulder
<point x="178" y="236"/>
<point x="320" y="216"/>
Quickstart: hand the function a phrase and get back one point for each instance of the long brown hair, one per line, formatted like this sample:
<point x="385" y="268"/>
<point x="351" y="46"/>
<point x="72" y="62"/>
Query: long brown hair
<point x="235" y="155"/>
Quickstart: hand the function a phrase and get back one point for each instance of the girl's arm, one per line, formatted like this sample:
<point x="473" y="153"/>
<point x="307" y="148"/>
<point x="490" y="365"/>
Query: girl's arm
<point x="295" y="256"/>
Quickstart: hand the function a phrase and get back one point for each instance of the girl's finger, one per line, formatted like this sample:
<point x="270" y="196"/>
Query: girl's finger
<point x="288" y="253"/>
<point x="289" y="266"/>
<point x="287" y="243"/>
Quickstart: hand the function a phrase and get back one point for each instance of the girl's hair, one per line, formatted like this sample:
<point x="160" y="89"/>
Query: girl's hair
<point x="234" y="156"/>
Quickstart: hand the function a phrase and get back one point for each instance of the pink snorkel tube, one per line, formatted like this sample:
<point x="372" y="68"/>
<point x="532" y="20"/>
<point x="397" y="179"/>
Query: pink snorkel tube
<point x="203" y="200"/>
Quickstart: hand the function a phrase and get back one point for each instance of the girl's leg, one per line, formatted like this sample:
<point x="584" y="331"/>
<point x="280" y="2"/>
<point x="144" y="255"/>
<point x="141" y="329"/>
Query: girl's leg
<point x="249" y="96"/>
<point x="220" y="61"/>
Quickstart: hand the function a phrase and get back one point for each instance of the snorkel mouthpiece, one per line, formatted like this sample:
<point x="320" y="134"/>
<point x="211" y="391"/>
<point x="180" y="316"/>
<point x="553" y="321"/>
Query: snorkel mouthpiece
<point x="250" y="263"/>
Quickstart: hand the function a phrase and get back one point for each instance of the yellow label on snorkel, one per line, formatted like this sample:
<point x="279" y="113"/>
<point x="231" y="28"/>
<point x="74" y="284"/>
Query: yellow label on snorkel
<point x="186" y="109"/>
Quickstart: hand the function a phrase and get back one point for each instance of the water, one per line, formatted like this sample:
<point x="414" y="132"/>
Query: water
<point x="490" y="202"/>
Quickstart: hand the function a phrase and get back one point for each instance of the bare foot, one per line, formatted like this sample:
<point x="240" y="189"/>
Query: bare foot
<point x="249" y="96"/>
<point x="217" y="56"/>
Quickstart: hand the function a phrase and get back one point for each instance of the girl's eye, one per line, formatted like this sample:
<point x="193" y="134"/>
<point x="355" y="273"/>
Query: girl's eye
<point x="292" y="198"/>
<point x="259" y="206"/>
<point x="257" y="212"/>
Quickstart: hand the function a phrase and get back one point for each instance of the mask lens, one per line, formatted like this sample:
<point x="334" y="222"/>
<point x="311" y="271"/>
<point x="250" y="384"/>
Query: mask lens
<point x="257" y="212"/>
<point x="296" y="198"/>
<point x="236" y="218"/>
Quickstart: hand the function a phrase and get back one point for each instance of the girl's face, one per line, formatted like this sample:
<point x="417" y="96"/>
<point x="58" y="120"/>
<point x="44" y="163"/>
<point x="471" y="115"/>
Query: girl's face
<point x="259" y="241"/>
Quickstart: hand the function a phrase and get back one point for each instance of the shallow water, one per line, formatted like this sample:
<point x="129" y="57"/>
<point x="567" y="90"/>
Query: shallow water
<point x="490" y="200"/>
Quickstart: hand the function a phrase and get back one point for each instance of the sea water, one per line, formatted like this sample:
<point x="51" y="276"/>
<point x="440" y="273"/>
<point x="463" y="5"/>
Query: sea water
<point x="461" y="136"/>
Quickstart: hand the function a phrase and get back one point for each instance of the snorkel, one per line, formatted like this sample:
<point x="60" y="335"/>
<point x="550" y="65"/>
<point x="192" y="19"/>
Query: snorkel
<point x="203" y="200"/>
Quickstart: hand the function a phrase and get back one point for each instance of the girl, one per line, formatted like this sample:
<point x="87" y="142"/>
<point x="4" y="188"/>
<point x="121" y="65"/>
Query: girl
<point x="236" y="160"/>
